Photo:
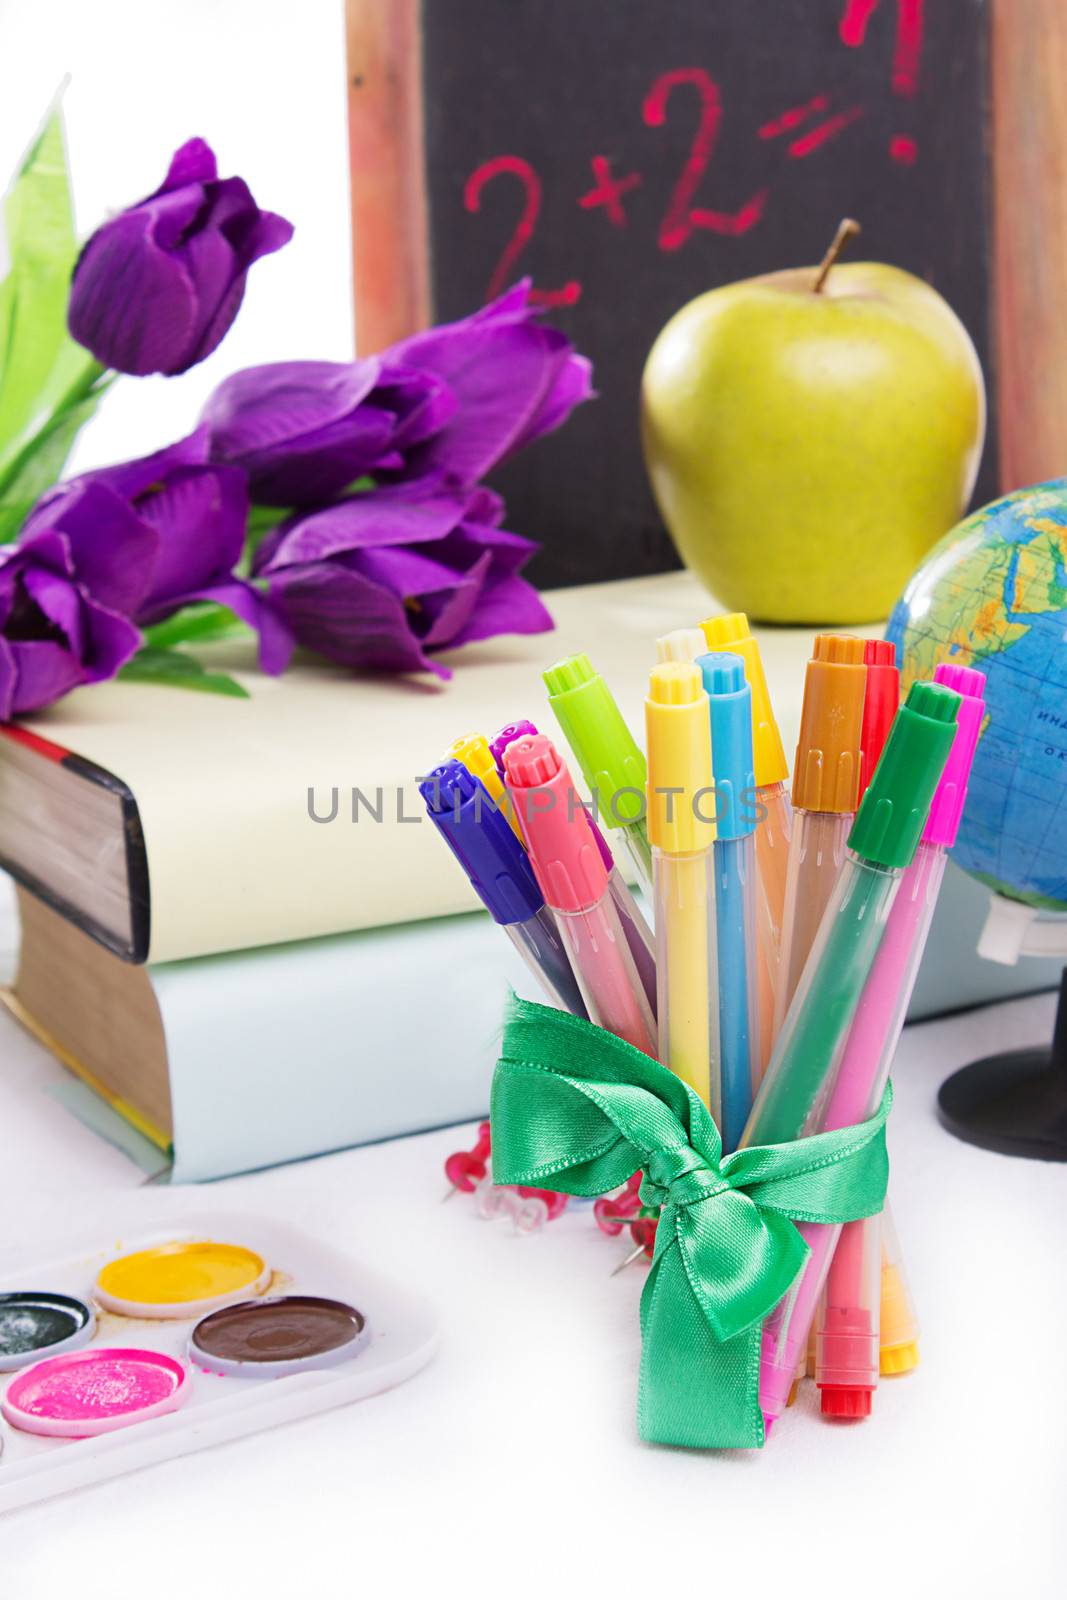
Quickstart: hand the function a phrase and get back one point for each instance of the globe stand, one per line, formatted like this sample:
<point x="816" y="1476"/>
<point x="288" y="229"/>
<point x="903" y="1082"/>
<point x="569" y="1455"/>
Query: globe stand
<point x="1014" y="1103"/>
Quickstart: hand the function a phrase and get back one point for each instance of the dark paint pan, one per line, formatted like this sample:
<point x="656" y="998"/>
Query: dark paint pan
<point x="275" y="1338"/>
<point x="36" y="1322"/>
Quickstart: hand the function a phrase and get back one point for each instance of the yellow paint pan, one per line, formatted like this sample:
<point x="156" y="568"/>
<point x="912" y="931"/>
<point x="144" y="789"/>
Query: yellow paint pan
<point x="185" y="1278"/>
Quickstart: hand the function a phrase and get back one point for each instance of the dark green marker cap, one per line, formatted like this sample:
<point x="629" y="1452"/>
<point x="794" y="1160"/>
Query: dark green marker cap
<point x="892" y="813"/>
<point x="603" y="745"/>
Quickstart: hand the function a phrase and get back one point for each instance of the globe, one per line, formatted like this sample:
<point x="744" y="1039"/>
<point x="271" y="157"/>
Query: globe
<point x="993" y="595"/>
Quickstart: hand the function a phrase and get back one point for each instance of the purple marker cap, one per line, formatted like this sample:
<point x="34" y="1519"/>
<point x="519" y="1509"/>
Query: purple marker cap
<point x="480" y="837"/>
<point x="507" y="735"/>
<point x="950" y="796"/>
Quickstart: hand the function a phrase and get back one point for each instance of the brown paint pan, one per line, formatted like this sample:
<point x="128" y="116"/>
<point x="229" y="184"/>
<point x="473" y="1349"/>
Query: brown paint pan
<point x="276" y="1338"/>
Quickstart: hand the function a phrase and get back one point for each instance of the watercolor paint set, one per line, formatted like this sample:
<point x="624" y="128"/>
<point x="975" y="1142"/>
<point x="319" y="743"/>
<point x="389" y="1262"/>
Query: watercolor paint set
<point x="135" y="1348"/>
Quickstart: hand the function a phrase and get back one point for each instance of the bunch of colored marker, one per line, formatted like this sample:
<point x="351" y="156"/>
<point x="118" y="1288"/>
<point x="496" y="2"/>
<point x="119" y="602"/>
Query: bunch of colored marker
<point x="787" y="937"/>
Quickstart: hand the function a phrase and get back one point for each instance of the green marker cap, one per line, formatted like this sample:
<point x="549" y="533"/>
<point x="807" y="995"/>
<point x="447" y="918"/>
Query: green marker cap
<point x="892" y="813"/>
<point x="603" y="745"/>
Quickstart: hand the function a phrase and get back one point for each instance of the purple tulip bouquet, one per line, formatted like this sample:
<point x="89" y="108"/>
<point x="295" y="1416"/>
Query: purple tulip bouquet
<point x="334" y="505"/>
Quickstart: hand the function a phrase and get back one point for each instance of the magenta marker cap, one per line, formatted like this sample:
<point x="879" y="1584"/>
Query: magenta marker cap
<point x="946" y="808"/>
<point x="507" y="735"/>
<point x="564" y="855"/>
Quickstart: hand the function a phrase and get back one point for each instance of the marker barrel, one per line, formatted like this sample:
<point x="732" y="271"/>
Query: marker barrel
<point x="793" y="1095"/>
<point x="739" y="1035"/>
<point x="686" y="964"/>
<point x="606" y="974"/>
<point x="637" y="933"/>
<point x="816" y="857"/>
<point x="541" y="947"/>
<point x="773" y="830"/>
<point x="635" y="835"/>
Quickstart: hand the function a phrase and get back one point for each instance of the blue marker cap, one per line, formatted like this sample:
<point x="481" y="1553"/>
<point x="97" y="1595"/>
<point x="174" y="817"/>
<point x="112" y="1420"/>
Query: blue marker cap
<point x="731" y="743"/>
<point x="480" y="837"/>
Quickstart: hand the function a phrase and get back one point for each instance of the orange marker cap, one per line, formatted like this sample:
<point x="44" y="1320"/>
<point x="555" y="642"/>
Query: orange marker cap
<point x="826" y="772"/>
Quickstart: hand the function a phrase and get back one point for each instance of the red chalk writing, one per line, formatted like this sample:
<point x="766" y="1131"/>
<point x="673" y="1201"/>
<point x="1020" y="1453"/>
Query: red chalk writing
<point x="681" y="217"/>
<point x="804" y="129"/>
<point x="521" y="170"/>
<point x="792" y="118"/>
<point x="907" y="55"/>
<point x="809" y="142"/>
<point x="608" y="191"/>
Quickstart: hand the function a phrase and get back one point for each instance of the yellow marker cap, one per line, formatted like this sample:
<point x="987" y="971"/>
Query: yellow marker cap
<point x="898" y="1358"/>
<point x="678" y="732"/>
<point x="826" y="772"/>
<point x="474" y="752"/>
<point x="731" y="632"/>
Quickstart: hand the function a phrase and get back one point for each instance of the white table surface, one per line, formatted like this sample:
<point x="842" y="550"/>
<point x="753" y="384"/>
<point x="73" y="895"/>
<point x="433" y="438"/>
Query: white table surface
<point x="512" y="1462"/>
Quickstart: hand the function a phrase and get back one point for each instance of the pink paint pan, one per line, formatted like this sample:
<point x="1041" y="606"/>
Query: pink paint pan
<point x="88" y="1392"/>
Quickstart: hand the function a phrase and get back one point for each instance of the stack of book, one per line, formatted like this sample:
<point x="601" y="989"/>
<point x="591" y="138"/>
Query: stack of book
<point x="239" y="928"/>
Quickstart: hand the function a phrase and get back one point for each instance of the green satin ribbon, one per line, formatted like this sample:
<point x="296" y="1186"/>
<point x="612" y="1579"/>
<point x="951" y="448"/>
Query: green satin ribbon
<point x="578" y="1110"/>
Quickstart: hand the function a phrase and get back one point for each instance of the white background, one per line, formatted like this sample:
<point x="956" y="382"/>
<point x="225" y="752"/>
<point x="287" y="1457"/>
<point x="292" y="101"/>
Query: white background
<point x="263" y="81"/>
<point x="510" y="1467"/>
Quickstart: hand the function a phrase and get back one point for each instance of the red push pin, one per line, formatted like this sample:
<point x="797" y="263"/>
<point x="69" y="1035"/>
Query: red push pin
<point x="466" y="1168"/>
<point x="612" y="1212"/>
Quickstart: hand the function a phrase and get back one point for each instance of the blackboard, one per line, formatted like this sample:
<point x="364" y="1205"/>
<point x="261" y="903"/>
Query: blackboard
<point x="628" y="154"/>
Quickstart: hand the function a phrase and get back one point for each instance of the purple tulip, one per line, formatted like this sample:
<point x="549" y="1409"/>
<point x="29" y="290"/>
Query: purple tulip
<point x="305" y="431"/>
<point x="513" y="379"/>
<point x="198" y="515"/>
<point x="442" y="408"/>
<point x="382" y="579"/>
<point x="156" y="288"/>
<point x="66" y="591"/>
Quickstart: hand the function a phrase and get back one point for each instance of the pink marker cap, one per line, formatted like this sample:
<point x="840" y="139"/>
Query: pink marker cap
<point x="946" y="808"/>
<point x="563" y="852"/>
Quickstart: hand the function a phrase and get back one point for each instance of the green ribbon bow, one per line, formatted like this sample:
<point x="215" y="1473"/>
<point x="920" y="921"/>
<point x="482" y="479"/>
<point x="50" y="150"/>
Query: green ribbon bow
<point x="578" y="1110"/>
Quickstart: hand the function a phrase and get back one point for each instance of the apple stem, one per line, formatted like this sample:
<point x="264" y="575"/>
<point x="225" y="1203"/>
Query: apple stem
<point x="847" y="229"/>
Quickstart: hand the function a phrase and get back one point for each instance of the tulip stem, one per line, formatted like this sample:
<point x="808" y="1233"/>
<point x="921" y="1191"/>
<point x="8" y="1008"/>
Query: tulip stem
<point x="847" y="229"/>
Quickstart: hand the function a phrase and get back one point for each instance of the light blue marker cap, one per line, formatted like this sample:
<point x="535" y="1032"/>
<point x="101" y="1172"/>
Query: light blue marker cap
<point x="731" y="743"/>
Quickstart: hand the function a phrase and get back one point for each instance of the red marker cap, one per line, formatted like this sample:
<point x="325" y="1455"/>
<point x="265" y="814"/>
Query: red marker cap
<point x="563" y="852"/>
<point x="881" y="697"/>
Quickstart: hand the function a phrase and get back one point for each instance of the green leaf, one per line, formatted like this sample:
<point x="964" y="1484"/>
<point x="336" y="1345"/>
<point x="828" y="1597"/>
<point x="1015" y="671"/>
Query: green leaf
<point x="38" y="359"/>
<point x="261" y="521"/>
<point x="178" y="671"/>
<point x="202" y="622"/>
<point x="37" y="466"/>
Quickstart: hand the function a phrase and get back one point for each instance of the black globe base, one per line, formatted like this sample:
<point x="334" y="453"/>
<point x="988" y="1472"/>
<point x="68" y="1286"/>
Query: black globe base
<point x="1014" y="1103"/>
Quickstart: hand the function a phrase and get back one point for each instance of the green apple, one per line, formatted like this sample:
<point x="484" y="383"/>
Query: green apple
<point x="810" y="434"/>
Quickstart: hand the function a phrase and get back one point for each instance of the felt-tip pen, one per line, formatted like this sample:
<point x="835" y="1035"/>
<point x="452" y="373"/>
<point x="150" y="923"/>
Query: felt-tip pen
<point x="734" y="858"/>
<point x="499" y="870"/>
<point x="848" y="1332"/>
<point x="825" y="786"/>
<point x="793" y="1097"/>
<point x="606" y="751"/>
<point x="774" y="812"/>
<point x="681" y="826"/>
<point x="574" y="881"/>
<point x="636" y="929"/>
